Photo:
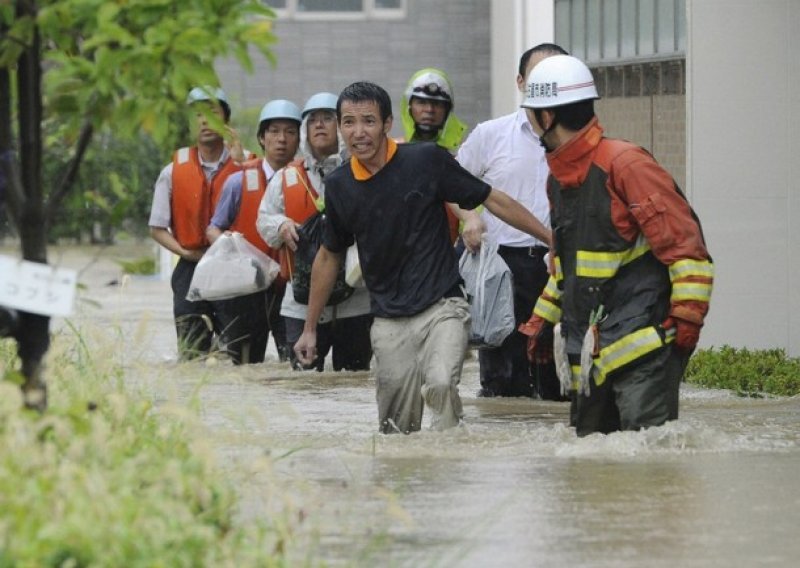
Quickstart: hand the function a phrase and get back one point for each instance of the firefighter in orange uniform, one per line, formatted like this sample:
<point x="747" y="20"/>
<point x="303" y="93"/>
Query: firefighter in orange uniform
<point x="631" y="276"/>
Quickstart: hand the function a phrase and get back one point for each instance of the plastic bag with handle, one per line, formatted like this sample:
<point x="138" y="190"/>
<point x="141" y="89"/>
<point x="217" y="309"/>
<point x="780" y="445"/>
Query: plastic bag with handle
<point x="231" y="267"/>
<point x="489" y="285"/>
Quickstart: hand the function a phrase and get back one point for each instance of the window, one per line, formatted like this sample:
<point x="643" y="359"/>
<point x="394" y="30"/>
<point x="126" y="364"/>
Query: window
<point x="613" y="31"/>
<point x="338" y="9"/>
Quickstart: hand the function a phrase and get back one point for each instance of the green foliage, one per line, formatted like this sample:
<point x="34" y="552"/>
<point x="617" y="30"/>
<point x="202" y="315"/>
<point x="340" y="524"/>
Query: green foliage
<point x="123" y="68"/>
<point x="748" y="372"/>
<point x="113" y="190"/>
<point x="131" y="64"/>
<point x="145" y="265"/>
<point x="107" y="479"/>
<point x="245" y="121"/>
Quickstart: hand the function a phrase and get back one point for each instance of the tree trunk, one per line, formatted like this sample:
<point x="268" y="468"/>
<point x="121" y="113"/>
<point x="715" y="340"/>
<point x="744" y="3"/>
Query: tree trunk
<point x="33" y="335"/>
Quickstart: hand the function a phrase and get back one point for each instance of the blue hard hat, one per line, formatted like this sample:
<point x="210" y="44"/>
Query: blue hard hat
<point x="280" y="108"/>
<point x="320" y="101"/>
<point x="206" y="94"/>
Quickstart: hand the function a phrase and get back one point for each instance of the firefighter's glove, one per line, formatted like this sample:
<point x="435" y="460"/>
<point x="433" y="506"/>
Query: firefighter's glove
<point x="687" y="333"/>
<point x="540" y="339"/>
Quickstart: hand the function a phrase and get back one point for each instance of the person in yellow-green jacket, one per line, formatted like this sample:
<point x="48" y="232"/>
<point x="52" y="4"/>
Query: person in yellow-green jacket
<point x="427" y="110"/>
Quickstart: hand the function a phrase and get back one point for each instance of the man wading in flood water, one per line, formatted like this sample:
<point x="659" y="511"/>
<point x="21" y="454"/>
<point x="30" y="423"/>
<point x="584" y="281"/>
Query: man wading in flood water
<point x="389" y="199"/>
<point x="632" y="277"/>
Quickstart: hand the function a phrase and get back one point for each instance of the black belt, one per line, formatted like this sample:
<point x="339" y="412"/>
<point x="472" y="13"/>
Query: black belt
<point x="527" y="251"/>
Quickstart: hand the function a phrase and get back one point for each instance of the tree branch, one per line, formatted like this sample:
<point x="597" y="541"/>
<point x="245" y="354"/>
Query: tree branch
<point x="10" y="182"/>
<point x="68" y="179"/>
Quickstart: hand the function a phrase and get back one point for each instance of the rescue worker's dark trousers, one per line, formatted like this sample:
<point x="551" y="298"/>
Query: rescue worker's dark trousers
<point x="637" y="396"/>
<point x="277" y="323"/>
<point x="348" y="337"/>
<point x="244" y="327"/>
<point x="505" y="370"/>
<point x="240" y="323"/>
<point x="195" y="322"/>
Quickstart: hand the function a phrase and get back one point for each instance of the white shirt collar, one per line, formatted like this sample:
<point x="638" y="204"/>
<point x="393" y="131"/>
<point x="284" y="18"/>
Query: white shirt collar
<point x="216" y="163"/>
<point x="268" y="171"/>
<point x="524" y="123"/>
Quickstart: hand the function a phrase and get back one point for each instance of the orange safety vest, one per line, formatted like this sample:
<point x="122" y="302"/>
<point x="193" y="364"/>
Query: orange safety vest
<point x="193" y="197"/>
<point x="299" y="199"/>
<point x="254" y="184"/>
<point x="299" y="196"/>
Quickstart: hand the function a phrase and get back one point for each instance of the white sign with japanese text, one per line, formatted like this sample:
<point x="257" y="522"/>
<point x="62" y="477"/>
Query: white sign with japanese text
<point x="36" y="288"/>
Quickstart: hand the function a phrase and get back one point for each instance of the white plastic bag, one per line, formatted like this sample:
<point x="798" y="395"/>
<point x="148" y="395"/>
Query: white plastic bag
<point x="352" y="268"/>
<point x="488" y="281"/>
<point x="231" y="267"/>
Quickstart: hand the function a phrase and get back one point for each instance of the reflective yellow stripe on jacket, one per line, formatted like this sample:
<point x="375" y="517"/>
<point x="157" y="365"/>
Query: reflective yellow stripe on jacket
<point x="691" y="280"/>
<point x="547" y="306"/>
<point x="627" y="349"/>
<point x="604" y="264"/>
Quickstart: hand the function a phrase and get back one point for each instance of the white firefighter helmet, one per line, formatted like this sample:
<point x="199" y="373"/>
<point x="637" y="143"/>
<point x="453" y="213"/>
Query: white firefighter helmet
<point x="559" y="80"/>
<point x="280" y="108"/>
<point x="320" y="101"/>
<point x="431" y="84"/>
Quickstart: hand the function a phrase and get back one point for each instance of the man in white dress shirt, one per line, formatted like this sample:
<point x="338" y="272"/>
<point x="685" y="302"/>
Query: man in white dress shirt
<point x="506" y="153"/>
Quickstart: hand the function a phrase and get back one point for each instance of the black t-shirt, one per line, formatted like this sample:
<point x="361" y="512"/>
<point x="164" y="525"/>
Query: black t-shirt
<point x="398" y="219"/>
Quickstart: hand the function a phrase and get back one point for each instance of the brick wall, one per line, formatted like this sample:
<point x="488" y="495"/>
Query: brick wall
<point x="314" y="56"/>
<point x="646" y="104"/>
<point x="656" y="122"/>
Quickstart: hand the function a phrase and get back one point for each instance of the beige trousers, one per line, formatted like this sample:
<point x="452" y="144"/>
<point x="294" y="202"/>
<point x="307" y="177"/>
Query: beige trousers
<point x="419" y="358"/>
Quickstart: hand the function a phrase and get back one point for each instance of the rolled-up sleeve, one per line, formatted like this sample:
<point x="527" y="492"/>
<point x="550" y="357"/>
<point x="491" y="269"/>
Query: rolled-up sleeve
<point x="229" y="202"/>
<point x="161" y="208"/>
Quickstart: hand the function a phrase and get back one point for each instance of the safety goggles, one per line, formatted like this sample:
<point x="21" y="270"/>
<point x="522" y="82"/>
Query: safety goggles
<point x="432" y="90"/>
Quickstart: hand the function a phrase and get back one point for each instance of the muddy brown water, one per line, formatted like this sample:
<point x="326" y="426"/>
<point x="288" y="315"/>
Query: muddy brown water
<point x="512" y="487"/>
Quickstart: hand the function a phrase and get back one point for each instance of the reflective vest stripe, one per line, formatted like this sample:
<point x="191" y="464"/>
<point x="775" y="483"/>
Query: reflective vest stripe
<point x="698" y="291"/>
<point x="548" y="310"/>
<point x="551" y="289"/>
<point x="576" y="376"/>
<point x="689" y="267"/>
<point x="627" y="349"/>
<point x="559" y="273"/>
<point x="604" y="264"/>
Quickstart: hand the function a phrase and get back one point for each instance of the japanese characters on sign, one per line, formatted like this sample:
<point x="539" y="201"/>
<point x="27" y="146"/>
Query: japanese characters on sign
<point x="36" y="288"/>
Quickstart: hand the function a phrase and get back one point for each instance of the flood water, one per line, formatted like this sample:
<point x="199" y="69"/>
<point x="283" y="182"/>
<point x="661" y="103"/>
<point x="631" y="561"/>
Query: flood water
<point x="512" y="487"/>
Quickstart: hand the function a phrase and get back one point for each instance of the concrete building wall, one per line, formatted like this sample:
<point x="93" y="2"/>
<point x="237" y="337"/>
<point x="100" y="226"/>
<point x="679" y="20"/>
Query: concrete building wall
<point x="516" y="25"/>
<point x="314" y="56"/>
<point x="657" y="123"/>
<point x="743" y="96"/>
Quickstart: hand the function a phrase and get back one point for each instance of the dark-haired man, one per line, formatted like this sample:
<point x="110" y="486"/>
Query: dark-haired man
<point x="389" y="199"/>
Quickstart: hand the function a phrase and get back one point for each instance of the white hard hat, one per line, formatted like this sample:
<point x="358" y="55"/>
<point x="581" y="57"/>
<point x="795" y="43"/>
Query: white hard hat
<point x="559" y="80"/>
<point x="206" y="94"/>
<point x="320" y="101"/>
<point x="280" y="108"/>
<point x="431" y="84"/>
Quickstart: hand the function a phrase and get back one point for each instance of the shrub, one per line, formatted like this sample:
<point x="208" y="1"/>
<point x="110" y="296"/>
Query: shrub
<point x="105" y="478"/>
<point x="748" y="372"/>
